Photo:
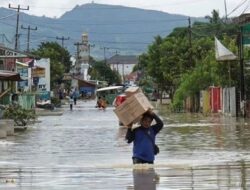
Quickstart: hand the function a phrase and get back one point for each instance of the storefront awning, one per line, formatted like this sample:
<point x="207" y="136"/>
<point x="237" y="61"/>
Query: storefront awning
<point x="9" y="75"/>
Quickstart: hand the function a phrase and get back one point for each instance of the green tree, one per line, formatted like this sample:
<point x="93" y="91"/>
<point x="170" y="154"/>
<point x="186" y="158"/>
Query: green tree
<point x="101" y="71"/>
<point x="183" y="70"/>
<point x="59" y="60"/>
<point x="215" y="18"/>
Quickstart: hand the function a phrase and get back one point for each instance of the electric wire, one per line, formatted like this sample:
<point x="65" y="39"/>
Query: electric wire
<point x="1" y="18"/>
<point x="237" y="7"/>
<point x="246" y="8"/>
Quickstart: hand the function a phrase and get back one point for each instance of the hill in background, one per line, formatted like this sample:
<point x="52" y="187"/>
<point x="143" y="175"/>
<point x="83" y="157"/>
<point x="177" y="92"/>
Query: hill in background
<point x="118" y="29"/>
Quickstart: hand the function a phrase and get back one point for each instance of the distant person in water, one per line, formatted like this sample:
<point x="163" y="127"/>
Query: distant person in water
<point x="104" y="102"/>
<point x="71" y="101"/>
<point x="101" y="102"/>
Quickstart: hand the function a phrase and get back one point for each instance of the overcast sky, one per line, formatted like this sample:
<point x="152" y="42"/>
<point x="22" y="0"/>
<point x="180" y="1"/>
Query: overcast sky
<point x="55" y="8"/>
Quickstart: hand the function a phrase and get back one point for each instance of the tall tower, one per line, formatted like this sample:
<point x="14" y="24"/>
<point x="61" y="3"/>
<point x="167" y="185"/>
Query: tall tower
<point x="84" y="56"/>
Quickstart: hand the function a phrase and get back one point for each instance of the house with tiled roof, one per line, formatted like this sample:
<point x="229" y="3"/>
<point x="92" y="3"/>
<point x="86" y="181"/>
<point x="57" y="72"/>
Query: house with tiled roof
<point x="124" y="64"/>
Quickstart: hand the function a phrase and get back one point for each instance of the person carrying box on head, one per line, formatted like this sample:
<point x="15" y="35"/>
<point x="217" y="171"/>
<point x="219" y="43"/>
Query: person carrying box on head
<point x="143" y="138"/>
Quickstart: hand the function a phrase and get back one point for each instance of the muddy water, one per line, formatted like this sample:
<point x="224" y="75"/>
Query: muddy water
<point x="85" y="149"/>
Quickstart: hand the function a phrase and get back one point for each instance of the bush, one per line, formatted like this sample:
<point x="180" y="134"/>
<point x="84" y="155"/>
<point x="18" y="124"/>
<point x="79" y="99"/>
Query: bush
<point x="20" y="116"/>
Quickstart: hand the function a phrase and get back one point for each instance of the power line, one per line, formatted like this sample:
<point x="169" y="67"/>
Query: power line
<point x="7" y="24"/>
<point x="7" y="16"/>
<point x="115" y="42"/>
<point x="28" y="35"/>
<point x="63" y="39"/>
<point x="128" y="33"/>
<point x="97" y="41"/>
<point x="4" y="37"/>
<point x="119" y="48"/>
<point x="34" y="41"/>
<point x="246" y="8"/>
<point x="104" y="53"/>
<point x="237" y="7"/>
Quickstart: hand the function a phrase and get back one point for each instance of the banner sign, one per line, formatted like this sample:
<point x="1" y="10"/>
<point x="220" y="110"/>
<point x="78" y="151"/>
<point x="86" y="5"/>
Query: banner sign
<point x="38" y="72"/>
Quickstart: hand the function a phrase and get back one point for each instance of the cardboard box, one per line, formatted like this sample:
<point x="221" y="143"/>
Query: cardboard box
<point x="132" y="90"/>
<point x="133" y="108"/>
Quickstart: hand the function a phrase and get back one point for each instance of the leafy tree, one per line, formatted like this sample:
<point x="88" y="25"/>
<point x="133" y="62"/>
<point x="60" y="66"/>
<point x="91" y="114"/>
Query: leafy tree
<point x="145" y="79"/>
<point x="183" y="70"/>
<point x="101" y="71"/>
<point x="153" y="64"/>
<point x="215" y="18"/>
<point x="59" y="60"/>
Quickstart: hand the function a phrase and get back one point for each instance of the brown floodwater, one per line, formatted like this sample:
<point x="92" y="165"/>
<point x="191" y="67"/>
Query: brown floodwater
<point x="85" y="149"/>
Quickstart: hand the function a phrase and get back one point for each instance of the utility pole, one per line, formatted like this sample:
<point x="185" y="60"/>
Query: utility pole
<point x="17" y="22"/>
<point x="105" y="60"/>
<point x="77" y="49"/>
<point x="117" y="63"/>
<point x="225" y="3"/>
<point x="242" y="77"/>
<point x="104" y="53"/>
<point x="28" y="35"/>
<point x="77" y="66"/>
<point x="89" y="48"/>
<point x="190" y="41"/>
<point x="62" y="38"/>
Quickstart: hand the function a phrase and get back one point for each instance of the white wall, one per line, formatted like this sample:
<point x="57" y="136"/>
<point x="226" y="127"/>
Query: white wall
<point x="123" y="69"/>
<point x="45" y="63"/>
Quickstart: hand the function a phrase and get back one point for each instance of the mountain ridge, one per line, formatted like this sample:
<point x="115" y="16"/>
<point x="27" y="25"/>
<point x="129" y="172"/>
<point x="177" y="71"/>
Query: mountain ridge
<point x="117" y="28"/>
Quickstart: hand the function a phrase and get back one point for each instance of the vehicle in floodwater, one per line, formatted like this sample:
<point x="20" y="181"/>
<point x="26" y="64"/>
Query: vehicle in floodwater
<point x="109" y="93"/>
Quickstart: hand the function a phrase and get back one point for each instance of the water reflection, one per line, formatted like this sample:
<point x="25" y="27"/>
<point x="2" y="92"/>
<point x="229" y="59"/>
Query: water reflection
<point x="145" y="179"/>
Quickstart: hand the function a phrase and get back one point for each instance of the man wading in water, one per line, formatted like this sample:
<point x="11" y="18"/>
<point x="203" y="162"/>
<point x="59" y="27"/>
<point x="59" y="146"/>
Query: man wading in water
<point x="143" y="138"/>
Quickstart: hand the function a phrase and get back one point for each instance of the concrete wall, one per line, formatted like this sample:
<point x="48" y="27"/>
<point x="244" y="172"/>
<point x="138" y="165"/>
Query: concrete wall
<point x="6" y="128"/>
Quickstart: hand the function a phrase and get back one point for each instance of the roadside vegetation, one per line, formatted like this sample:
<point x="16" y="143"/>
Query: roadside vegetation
<point x="183" y="63"/>
<point x="20" y="116"/>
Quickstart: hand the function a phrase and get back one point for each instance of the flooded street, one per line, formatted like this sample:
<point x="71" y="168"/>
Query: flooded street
<point x="85" y="149"/>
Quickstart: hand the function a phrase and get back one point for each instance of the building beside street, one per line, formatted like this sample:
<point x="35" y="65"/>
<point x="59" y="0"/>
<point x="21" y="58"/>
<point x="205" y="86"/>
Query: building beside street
<point x="123" y="64"/>
<point x="25" y="76"/>
<point x="43" y="65"/>
<point x="10" y="76"/>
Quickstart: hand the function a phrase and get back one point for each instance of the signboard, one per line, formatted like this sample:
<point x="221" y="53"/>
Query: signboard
<point x="246" y="34"/>
<point x="38" y="72"/>
<point x="22" y="71"/>
<point x="4" y="52"/>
